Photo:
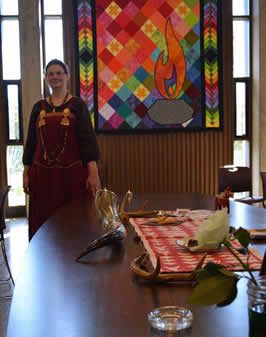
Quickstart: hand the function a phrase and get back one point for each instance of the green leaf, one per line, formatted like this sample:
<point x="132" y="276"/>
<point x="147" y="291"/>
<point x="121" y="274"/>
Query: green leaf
<point x="242" y="235"/>
<point x="231" y="297"/>
<point x="213" y="268"/>
<point x="201" y="274"/>
<point x="213" y="290"/>
<point x="228" y="273"/>
<point x="231" y="229"/>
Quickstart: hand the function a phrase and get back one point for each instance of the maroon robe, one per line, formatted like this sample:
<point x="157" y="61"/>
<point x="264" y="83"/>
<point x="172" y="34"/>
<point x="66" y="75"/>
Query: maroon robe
<point x="53" y="183"/>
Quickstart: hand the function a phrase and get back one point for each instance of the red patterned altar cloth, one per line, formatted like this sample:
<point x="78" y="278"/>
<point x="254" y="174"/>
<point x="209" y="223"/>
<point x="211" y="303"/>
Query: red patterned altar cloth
<point x="161" y="241"/>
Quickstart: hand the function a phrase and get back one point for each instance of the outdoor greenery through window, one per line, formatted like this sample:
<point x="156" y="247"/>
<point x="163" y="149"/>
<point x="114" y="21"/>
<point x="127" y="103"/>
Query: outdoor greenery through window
<point x="14" y="170"/>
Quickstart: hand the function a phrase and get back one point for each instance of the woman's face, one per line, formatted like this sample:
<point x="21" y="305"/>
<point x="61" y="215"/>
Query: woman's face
<point x="56" y="77"/>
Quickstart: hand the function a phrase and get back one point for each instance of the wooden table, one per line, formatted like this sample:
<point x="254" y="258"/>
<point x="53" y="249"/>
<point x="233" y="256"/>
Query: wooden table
<point x="58" y="297"/>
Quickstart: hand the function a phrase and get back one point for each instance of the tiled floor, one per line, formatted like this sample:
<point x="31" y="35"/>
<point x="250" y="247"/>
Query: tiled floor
<point x="16" y="238"/>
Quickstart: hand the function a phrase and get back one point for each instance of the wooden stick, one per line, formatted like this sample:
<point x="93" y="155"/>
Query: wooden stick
<point x="155" y="275"/>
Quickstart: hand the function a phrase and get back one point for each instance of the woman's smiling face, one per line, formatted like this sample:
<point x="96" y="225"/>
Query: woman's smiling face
<point x="56" y="76"/>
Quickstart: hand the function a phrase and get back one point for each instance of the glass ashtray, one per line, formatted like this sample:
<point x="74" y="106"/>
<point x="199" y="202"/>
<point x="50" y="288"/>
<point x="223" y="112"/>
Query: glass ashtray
<point x="170" y="318"/>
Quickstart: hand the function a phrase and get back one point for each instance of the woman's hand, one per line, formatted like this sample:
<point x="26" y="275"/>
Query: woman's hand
<point x="93" y="182"/>
<point x="26" y="179"/>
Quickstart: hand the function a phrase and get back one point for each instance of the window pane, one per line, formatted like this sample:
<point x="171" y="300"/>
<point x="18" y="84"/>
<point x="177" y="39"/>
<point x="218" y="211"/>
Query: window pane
<point x="13" y="112"/>
<point x="10" y="49"/>
<point x="241" y="47"/>
<point x="241" y="153"/>
<point x="52" y="7"/>
<point x="16" y="196"/>
<point x="240" y="7"/>
<point x="53" y="42"/>
<point x="9" y="7"/>
<point x="241" y="101"/>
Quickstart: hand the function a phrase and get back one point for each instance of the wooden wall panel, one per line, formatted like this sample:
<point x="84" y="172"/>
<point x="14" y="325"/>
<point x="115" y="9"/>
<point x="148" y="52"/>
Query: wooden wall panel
<point x="164" y="162"/>
<point x="176" y="161"/>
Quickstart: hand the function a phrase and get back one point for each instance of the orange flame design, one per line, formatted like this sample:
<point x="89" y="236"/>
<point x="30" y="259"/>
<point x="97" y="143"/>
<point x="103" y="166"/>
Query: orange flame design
<point x="175" y="66"/>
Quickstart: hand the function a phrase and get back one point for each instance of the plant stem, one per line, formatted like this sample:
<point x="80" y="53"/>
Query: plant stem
<point x="243" y="264"/>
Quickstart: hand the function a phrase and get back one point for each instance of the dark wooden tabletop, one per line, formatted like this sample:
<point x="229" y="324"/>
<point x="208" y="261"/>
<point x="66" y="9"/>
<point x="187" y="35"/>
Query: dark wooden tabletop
<point x="57" y="297"/>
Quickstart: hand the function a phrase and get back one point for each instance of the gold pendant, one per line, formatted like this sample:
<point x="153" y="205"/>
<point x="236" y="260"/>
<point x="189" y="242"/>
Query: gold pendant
<point x="45" y="155"/>
<point x="66" y="112"/>
<point x="65" y="121"/>
<point x="42" y="113"/>
<point x="41" y="122"/>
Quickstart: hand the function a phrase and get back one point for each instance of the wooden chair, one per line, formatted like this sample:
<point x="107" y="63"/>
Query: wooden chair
<point x="263" y="180"/>
<point x="238" y="179"/>
<point x="3" y="200"/>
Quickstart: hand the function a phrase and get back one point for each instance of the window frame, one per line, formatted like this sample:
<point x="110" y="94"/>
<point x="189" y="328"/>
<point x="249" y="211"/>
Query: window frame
<point x="20" y="210"/>
<point x="248" y="82"/>
<point x="9" y="141"/>
<point x="43" y="17"/>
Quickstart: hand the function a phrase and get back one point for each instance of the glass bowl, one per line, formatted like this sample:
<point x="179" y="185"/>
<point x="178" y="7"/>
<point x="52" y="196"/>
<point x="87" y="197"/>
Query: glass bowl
<point x="170" y="318"/>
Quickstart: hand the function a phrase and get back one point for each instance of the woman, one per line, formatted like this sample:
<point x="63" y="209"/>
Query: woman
<point x="61" y="151"/>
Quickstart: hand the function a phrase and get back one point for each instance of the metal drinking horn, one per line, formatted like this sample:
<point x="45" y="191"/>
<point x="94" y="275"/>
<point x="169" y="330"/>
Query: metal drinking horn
<point x="106" y="203"/>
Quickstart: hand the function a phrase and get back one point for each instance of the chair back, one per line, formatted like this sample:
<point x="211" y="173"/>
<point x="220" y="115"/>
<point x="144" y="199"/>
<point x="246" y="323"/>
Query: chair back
<point x="237" y="178"/>
<point x="3" y="199"/>
<point x="263" y="180"/>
